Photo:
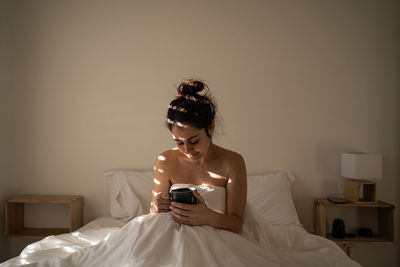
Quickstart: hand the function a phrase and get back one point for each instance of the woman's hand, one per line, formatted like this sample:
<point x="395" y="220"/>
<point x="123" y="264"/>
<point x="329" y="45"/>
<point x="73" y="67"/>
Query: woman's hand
<point x="191" y="214"/>
<point x="161" y="203"/>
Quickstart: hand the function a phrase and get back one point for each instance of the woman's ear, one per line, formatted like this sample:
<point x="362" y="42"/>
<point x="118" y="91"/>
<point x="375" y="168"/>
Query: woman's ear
<point x="211" y="128"/>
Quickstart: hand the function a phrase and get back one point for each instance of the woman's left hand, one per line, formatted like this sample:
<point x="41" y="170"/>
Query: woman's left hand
<point x="191" y="214"/>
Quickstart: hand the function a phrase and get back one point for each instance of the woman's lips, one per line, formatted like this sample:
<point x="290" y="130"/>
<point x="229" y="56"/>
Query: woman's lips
<point x="192" y="155"/>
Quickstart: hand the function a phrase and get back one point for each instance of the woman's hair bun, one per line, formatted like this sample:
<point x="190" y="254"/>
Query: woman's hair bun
<point x="191" y="108"/>
<point x="190" y="87"/>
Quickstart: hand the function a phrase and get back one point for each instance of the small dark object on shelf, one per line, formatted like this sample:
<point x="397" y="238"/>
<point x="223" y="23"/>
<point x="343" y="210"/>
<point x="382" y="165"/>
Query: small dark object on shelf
<point x="337" y="200"/>
<point x="338" y="229"/>
<point x="365" y="232"/>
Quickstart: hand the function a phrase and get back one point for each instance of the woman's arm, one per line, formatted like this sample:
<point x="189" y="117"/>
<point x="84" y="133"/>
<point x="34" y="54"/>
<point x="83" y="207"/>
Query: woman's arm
<point x="236" y="195"/>
<point x="161" y="183"/>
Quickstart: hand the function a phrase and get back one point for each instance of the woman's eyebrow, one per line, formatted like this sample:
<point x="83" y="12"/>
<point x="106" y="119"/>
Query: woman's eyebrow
<point x="190" y="138"/>
<point x="194" y="136"/>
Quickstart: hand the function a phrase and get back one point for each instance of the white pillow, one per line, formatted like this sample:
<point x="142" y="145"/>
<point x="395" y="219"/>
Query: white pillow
<point x="271" y="195"/>
<point x="130" y="193"/>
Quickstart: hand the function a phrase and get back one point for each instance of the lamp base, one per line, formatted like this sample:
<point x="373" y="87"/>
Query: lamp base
<point x="360" y="191"/>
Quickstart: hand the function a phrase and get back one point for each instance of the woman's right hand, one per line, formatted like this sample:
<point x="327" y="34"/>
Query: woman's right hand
<point x="161" y="203"/>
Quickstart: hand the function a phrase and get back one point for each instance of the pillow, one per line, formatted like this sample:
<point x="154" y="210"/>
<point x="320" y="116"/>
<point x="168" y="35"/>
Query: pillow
<point x="271" y="195"/>
<point x="129" y="192"/>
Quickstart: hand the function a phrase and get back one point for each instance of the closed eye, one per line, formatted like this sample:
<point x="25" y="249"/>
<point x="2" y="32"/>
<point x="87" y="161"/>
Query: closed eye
<point x="180" y="143"/>
<point x="192" y="143"/>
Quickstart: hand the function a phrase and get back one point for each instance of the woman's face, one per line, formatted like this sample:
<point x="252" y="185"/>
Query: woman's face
<point x="192" y="142"/>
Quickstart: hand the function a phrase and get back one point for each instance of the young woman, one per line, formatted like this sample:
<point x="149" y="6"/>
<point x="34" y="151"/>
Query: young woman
<point x="198" y="161"/>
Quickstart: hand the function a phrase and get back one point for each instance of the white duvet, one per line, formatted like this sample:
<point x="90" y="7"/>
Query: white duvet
<point x="156" y="240"/>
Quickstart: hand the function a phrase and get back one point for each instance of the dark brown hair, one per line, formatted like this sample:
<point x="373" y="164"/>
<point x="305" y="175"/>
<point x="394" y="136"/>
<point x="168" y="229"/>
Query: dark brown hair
<point x="191" y="108"/>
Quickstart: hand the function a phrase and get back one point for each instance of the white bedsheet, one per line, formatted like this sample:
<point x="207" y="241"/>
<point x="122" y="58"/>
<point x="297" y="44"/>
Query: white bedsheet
<point x="61" y="246"/>
<point x="156" y="240"/>
<point x="291" y="246"/>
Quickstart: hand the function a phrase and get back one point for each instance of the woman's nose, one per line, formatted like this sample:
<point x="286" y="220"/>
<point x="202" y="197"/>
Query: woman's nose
<point x="187" y="147"/>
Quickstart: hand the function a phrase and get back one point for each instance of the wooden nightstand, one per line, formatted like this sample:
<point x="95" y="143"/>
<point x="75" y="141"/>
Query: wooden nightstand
<point x="385" y="221"/>
<point x="381" y="212"/>
<point x="15" y="210"/>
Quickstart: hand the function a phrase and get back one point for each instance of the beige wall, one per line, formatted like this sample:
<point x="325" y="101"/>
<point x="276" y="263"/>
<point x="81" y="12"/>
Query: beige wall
<point x="297" y="82"/>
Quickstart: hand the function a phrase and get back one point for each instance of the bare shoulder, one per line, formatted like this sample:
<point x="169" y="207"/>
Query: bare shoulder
<point x="167" y="158"/>
<point x="229" y="155"/>
<point x="231" y="159"/>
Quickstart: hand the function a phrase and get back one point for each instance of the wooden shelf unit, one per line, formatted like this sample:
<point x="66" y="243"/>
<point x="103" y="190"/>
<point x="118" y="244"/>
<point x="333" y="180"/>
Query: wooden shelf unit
<point x="355" y="187"/>
<point x="15" y="218"/>
<point x="385" y="222"/>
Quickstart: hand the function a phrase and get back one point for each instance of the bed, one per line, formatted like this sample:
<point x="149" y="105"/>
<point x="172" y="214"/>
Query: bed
<point x="272" y="234"/>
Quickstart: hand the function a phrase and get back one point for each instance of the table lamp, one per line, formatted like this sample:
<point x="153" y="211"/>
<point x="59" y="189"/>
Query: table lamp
<point x="357" y="168"/>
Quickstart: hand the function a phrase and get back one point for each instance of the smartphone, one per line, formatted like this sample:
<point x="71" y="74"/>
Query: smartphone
<point x="183" y="195"/>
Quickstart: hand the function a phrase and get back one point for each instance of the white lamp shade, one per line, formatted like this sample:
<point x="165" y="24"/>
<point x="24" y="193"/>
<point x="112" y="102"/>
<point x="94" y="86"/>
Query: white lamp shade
<point x="361" y="165"/>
